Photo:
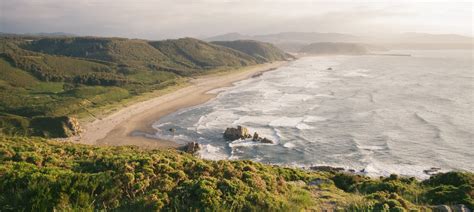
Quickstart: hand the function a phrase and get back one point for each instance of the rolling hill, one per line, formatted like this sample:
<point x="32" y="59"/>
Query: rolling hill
<point x="61" y="76"/>
<point x="264" y="52"/>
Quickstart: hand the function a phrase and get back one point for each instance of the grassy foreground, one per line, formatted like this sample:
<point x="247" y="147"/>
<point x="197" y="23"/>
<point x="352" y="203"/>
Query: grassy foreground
<point x="41" y="175"/>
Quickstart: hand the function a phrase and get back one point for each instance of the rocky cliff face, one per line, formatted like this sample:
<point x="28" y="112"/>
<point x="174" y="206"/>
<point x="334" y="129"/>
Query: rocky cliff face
<point x="56" y="127"/>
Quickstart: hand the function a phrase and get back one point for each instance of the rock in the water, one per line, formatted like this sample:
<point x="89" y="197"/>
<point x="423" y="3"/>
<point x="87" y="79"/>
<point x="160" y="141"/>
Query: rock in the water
<point x="173" y="130"/>
<point x="236" y="133"/>
<point x="192" y="147"/>
<point x="255" y="137"/>
<point x="266" y="141"/>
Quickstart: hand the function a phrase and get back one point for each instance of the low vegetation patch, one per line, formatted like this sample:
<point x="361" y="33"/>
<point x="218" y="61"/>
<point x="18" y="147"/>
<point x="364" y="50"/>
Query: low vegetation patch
<point x="41" y="175"/>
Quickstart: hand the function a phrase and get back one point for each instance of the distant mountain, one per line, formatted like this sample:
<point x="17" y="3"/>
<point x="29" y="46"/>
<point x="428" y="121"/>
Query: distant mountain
<point x="289" y="37"/>
<point x="265" y="52"/>
<point x="328" y="48"/>
<point x="294" y="41"/>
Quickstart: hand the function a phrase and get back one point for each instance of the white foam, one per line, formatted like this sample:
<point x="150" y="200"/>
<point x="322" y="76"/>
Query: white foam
<point x="314" y="119"/>
<point x="289" y="145"/>
<point x="357" y="73"/>
<point x="303" y="126"/>
<point x="286" y="121"/>
<point x="212" y="153"/>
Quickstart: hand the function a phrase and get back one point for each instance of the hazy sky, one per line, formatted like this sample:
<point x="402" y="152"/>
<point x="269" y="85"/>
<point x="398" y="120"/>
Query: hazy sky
<point x="158" y="19"/>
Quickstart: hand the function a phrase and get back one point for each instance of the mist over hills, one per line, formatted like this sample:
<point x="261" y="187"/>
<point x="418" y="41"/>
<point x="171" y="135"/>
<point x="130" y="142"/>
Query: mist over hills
<point x="295" y="41"/>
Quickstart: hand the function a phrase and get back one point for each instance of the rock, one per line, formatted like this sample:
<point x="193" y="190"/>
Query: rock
<point x="432" y="171"/>
<point x="237" y="133"/>
<point x="255" y="137"/>
<point x="192" y="147"/>
<point x="173" y="130"/>
<point x="327" y="168"/>
<point x="329" y="69"/>
<point x="441" y="208"/>
<point x="460" y="208"/>
<point x="266" y="141"/>
<point x="56" y="127"/>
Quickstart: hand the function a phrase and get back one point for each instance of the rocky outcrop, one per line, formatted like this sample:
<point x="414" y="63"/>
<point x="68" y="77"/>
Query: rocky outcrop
<point x="192" y="147"/>
<point x="56" y="127"/>
<point x="240" y="132"/>
<point x="257" y="138"/>
<point x="236" y="133"/>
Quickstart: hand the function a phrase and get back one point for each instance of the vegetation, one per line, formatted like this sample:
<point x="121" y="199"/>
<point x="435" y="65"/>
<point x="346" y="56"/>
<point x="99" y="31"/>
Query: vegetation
<point x="64" y="76"/>
<point x="41" y="175"/>
<point x="264" y="52"/>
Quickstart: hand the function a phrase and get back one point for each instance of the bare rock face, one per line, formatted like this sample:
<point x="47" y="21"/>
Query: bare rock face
<point x="192" y="147"/>
<point x="236" y="133"/>
<point x="72" y="126"/>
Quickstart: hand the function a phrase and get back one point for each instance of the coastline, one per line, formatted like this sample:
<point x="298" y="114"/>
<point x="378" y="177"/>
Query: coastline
<point x="116" y="129"/>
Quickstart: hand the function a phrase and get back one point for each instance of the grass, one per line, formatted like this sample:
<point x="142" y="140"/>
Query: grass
<point x="38" y="174"/>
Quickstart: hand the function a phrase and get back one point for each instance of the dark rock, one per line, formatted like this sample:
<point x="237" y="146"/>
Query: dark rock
<point x="329" y="69"/>
<point x="255" y="137"/>
<point x="173" y="130"/>
<point x="441" y="208"/>
<point x="327" y="168"/>
<point x="55" y="127"/>
<point x="192" y="147"/>
<point x="237" y="133"/>
<point x="432" y="171"/>
<point x="266" y="141"/>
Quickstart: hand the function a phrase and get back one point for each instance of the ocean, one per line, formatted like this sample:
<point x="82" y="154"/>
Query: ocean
<point x="376" y="113"/>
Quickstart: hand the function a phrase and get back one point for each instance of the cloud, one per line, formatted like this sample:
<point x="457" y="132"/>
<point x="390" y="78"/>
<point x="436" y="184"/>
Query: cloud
<point x="158" y="19"/>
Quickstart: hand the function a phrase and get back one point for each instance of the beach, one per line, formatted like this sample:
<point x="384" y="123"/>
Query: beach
<point x="116" y="129"/>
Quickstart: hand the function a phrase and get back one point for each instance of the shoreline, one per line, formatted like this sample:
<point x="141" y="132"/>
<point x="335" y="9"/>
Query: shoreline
<point x="116" y="129"/>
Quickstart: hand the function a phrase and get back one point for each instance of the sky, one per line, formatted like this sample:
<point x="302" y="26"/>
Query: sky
<point x="161" y="19"/>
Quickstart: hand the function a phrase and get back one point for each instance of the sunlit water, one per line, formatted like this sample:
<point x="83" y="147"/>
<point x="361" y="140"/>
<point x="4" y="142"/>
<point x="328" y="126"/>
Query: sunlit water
<point x="384" y="114"/>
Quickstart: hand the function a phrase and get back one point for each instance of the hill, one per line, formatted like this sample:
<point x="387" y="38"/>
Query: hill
<point x="196" y="54"/>
<point x="265" y="52"/>
<point x="42" y="175"/>
<point x="53" y="78"/>
<point x="289" y="37"/>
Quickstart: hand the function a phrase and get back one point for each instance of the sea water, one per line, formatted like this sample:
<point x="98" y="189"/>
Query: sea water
<point x="381" y="114"/>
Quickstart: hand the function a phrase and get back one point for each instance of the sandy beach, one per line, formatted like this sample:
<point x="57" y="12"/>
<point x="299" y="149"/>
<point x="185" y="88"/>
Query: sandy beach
<point x="117" y="128"/>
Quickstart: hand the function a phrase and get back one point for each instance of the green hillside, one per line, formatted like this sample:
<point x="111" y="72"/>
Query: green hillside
<point x="56" y="77"/>
<point x="262" y="51"/>
<point x="42" y="175"/>
<point x="195" y="54"/>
